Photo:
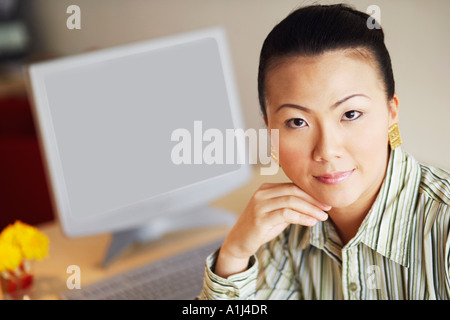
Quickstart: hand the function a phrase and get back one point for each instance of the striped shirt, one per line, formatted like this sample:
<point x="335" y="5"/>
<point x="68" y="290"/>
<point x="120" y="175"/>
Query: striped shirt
<point x="401" y="250"/>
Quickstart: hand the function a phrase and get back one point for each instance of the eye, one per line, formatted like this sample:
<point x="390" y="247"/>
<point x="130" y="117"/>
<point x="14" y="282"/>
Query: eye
<point x="351" y="115"/>
<point x="296" y="123"/>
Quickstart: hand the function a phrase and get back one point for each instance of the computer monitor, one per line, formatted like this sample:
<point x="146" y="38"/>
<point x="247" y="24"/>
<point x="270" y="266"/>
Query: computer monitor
<point x="123" y="134"/>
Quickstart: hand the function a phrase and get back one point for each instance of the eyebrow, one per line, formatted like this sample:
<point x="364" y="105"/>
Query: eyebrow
<point x="333" y="106"/>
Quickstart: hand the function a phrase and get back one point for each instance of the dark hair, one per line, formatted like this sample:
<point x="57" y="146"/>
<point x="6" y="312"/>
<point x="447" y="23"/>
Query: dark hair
<point x="312" y="30"/>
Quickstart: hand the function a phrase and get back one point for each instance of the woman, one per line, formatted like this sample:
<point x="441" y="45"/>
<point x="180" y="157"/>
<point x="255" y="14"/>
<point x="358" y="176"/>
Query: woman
<point x="362" y="219"/>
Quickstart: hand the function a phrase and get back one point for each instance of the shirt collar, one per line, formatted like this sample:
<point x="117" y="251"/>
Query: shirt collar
<point x="386" y="228"/>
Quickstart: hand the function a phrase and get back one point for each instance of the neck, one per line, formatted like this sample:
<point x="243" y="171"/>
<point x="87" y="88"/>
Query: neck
<point x="348" y="220"/>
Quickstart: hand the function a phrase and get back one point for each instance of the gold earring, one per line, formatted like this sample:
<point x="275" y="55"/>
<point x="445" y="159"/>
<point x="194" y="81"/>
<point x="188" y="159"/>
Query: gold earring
<point x="394" y="136"/>
<point x="274" y="156"/>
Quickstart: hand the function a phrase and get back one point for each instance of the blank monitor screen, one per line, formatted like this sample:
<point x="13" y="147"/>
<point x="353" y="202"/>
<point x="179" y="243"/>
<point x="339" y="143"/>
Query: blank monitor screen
<point x="107" y="119"/>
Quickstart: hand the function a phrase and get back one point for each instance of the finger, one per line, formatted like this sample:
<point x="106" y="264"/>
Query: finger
<point x="294" y="203"/>
<point x="286" y="215"/>
<point x="275" y="190"/>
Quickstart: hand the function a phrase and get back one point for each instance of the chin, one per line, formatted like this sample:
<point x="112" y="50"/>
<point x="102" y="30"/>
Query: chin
<point x="337" y="196"/>
<point x="337" y="199"/>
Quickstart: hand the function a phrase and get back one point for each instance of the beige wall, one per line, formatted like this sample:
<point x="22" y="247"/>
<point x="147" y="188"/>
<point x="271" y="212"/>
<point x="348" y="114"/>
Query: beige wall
<point x="417" y="36"/>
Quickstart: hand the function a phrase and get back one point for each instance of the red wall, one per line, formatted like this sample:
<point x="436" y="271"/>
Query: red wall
<point x="24" y="193"/>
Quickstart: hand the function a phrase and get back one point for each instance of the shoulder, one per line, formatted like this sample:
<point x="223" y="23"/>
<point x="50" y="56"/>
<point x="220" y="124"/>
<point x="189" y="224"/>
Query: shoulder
<point x="434" y="204"/>
<point x="435" y="184"/>
<point x="434" y="212"/>
<point x="425" y="196"/>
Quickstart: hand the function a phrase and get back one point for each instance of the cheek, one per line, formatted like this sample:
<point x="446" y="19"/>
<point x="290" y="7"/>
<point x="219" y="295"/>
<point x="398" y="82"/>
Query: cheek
<point x="369" y="146"/>
<point x="294" y="156"/>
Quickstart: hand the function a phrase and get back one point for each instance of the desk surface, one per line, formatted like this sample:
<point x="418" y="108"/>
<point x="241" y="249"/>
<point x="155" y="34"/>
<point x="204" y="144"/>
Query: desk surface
<point x="88" y="252"/>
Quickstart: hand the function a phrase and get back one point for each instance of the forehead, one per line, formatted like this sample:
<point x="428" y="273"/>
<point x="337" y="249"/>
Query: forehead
<point x="326" y="77"/>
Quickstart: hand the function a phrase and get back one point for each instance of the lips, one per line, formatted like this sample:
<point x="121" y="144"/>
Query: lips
<point x="335" y="178"/>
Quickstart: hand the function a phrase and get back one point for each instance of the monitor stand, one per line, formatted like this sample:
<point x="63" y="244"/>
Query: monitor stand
<point x="198" y="217"/>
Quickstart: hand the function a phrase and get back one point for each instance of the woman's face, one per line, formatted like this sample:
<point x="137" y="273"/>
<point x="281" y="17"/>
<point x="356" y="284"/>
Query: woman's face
<point x="333" y="119"/>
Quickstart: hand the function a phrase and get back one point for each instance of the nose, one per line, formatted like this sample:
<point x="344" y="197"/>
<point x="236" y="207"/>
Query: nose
<point x="328" y="145"/>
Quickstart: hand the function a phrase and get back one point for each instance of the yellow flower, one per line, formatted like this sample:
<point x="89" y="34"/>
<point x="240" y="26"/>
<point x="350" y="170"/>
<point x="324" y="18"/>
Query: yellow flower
<point x="29" y="240"/>
<point x="10" y="257"/>
<point x="34" y="246"/>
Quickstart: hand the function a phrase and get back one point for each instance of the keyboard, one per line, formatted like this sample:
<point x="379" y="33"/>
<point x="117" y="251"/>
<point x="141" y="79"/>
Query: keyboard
<point x="177" y="277"/>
